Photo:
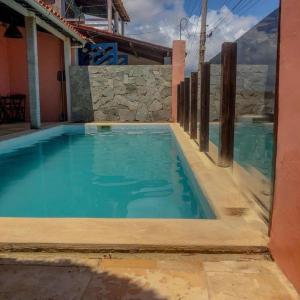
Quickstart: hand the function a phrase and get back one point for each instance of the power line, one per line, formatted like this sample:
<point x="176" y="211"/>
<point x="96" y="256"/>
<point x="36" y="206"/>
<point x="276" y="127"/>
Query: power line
<point x="245" y="8"/>
<point x="141" y="33"/>
<point x="221" y="20"/>
<point x="194" y="8"/>
<point x="218" y="22"/>
<point x="249" y="7"/>
<point x="193" y="35"/>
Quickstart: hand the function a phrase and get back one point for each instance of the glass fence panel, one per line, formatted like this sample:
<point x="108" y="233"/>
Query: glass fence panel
<point x="254" y="111"/>
<point x="214" y="109"/>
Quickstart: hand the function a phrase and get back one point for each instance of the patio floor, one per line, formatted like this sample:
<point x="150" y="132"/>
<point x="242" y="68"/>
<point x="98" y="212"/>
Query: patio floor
<point x="14" y="129"/>
<point x="141" y="276"/>
<point x="238" y="229"/>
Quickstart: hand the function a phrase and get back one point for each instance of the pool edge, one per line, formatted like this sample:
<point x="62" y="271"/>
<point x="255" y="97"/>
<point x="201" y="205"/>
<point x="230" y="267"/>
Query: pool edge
<point x="230" y="232"/>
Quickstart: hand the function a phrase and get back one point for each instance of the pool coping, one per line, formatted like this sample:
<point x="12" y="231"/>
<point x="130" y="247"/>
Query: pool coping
<point x="237" y="229"/>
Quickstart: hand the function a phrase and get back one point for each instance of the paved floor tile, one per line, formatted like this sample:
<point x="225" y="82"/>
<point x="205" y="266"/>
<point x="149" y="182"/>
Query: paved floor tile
<point x="148" y="279"/>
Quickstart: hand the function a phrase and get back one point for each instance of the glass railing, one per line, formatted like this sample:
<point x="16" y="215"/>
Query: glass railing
<point x="214" y="110"/>
<point x="254" y="111"/>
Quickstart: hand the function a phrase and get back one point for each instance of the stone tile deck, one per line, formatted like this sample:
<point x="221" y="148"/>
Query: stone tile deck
<point x="144" y="276"/>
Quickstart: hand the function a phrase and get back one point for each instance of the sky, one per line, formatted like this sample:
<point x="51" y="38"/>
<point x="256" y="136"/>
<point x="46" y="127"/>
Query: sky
<point x="157" y="21"/>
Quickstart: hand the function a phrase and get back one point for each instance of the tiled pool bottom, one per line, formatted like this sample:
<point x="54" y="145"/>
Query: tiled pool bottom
<point x="89" y="171"/>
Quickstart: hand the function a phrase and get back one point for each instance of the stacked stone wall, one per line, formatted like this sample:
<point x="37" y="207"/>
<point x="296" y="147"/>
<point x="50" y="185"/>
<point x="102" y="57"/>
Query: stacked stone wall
<point x="121" y="93"/>
<point x="255" y="90"/>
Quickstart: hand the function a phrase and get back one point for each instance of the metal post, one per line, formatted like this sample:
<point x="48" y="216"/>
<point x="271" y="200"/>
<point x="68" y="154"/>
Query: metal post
<point x="194" y="100"/>
<point x="33" y="72"/>
<point x="122" y="28"/>
<point x="204" y="111"/>
<point x="109" y="15"/>
<point x="186" y="104"/>
<point x="227" y="108"/>
<point x="116" y="22"/>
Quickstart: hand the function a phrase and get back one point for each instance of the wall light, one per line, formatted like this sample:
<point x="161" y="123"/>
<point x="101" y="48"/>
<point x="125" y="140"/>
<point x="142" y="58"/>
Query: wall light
<point x="12" y="32"/>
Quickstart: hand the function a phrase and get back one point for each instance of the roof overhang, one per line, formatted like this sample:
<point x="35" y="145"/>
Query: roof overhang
<point x="46" y="18"/>
<point x="125" y="44"/>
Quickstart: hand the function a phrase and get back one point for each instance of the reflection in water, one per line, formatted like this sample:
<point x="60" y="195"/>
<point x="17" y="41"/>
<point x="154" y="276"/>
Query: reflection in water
<point x="118" y="173"/>
<point x="253" y="145"/>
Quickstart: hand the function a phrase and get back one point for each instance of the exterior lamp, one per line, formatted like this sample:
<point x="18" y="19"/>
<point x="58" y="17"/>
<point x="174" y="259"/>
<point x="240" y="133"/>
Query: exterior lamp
<point x="12" y="32"/>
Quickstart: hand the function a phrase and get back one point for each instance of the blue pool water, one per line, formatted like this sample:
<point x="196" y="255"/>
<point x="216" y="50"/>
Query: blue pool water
<point x="118" y="172"/>
<point x="253" y="145"/>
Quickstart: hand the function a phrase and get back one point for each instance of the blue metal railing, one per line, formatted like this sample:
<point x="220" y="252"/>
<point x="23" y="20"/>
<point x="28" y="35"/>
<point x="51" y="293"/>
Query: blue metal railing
<point x="102" y="54"/>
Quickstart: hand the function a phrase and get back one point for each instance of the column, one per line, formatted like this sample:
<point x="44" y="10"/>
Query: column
<point x="109" y="15"/>
<point x="122" y="27"/>
<point x="178" y="65"/>
<point x="285" y="229"/>
<point x="227" y="107"/>
<point x="67" y="56"/>
<point x="33" y="72"/>
<point x="204" y="107"/>
<point x="116" y="22"/>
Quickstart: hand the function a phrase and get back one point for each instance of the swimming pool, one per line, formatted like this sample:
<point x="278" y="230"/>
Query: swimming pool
<point x="134" y="171"/>
<point x="253" y="145"/>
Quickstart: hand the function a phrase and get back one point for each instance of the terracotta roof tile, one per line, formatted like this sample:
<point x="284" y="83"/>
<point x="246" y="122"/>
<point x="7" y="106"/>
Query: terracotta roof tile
<point x="61" y="18"/>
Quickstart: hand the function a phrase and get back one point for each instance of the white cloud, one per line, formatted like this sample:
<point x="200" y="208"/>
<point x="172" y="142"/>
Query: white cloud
<point x="151" y="16"/>
<point x="162" y="26"/>
<point x="229" y="30"/>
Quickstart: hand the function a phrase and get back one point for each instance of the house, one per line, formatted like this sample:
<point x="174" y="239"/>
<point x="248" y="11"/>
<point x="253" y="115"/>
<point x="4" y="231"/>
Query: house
<point x="36" y="50"/>
<point x="108" y="15"/>
<point x="104" y="23"/>
<point x="36" y="59"/>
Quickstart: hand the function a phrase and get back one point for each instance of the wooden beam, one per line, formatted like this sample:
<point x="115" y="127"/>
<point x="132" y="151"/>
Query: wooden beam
<point x="181" y="103"/>
<point x="178" y="103"/>
<point x="194" y="106"/>
<point x="228" y="92"/>
<point x="139" y="51"/>
<point x="187" y="104"/>
<point x="204" y="107"/>
<point x="133" y="49"/>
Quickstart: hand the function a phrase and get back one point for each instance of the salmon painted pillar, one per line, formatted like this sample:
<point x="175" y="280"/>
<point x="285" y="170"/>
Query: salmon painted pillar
<point x="285" y="227"/>
<point x="178" y="66"/>
<point x="33" y="72"/>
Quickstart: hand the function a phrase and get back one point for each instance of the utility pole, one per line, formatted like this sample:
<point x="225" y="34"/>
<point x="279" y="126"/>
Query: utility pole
<point x="202" y="34"/>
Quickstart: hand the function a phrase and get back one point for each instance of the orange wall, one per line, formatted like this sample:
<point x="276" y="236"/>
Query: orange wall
<point x="50" y="61"/>
<point x="18" y="68"/>
<point x="285" y="229"/>
<point x="4" y="66"/>
<point x="13" y="74"/>
<point x="178" y="66"/>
